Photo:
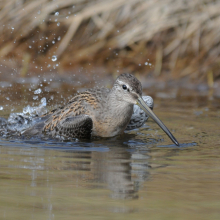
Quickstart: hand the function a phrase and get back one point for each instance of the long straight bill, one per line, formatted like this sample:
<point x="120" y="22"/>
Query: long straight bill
<point x="149" y="112"/>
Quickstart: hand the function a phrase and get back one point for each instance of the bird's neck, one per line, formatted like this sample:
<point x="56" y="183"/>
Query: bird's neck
<point x="114" y="118"/>
<point x="117" y="105"/>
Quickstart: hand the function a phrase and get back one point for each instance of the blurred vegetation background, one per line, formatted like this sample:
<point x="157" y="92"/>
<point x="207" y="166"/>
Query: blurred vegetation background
<point x="164" y="38"/>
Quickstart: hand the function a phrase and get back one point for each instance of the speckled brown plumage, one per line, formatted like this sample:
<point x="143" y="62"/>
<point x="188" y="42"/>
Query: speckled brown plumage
<point x="95" y="112"/>
<point x="98" y="112"/>
<point x="75" y="118"/>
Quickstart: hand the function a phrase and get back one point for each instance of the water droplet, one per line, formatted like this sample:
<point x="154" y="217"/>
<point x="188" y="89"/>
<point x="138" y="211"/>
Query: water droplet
<point x="59" y="38"/>
<point x="1" y="108"/>
<point x="43" y="101"/>
<point x="146" y="63"/>
<point x="35" y="97"/>
<point x="57" y="13"/>
<point x="53" y="42"/>
<point x="38" y="91"/>
<point x="54" y="58"/>
<point x="26" y="109"/>
<point x="58" y="24"/>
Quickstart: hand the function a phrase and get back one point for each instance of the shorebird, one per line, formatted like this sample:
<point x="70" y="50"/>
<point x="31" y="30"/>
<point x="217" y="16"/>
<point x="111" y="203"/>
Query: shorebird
<point x="97" y="112"/>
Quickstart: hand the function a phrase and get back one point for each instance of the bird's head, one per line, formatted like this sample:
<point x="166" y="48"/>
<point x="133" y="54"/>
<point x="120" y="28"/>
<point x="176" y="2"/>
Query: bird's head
<point x="128" y="89"/>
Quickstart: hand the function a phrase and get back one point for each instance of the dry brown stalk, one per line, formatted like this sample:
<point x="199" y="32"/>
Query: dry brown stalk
<point x="180" y="36"/>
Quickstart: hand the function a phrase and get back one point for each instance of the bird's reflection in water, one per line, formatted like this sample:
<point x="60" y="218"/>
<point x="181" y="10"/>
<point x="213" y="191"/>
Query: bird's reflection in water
<point x="122" y="169"/>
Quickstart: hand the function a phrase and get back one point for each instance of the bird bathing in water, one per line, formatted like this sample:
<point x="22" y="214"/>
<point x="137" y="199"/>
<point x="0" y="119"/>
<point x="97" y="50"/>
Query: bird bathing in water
<point x="98" y="112"/>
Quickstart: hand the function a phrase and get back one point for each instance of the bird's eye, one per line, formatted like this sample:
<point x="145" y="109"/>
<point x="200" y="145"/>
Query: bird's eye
<point x="124" y="87"/>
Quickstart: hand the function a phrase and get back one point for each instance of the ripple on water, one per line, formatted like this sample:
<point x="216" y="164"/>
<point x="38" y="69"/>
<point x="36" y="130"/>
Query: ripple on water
<point x="138" y="174"/>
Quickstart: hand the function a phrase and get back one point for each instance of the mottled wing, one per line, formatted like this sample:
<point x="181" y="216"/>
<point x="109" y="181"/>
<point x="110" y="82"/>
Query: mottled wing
<point x="73" y="127"/>
<point x="73" y="108"/>
<point x="72" y="119"/>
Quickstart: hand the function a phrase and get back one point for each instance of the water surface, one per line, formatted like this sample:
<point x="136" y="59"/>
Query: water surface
<point x="138" y="175"/>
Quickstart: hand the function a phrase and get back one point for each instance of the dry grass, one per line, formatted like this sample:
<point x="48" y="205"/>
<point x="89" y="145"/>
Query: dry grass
<point x="179" y="37"/>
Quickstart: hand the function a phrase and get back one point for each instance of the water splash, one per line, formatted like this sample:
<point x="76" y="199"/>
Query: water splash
<point x="17" y="123"/>
<point x="38" y="110"/>
<point x="38" y="91"/>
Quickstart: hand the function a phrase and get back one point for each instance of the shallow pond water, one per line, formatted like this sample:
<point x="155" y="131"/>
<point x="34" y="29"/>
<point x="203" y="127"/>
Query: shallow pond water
<point x="138" y="175"/>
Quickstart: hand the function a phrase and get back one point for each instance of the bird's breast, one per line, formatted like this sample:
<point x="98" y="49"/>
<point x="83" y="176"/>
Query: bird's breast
<point x="111" y="123"/>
